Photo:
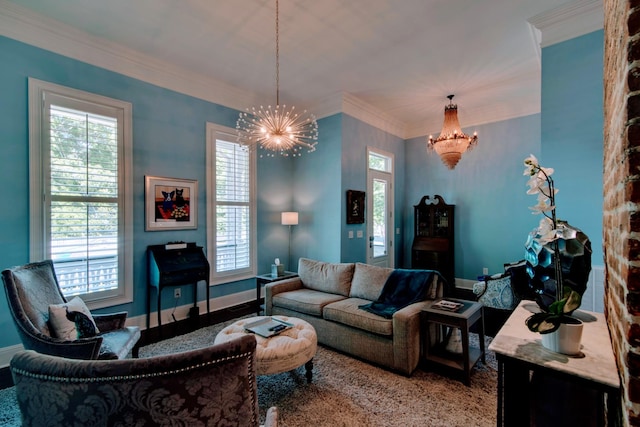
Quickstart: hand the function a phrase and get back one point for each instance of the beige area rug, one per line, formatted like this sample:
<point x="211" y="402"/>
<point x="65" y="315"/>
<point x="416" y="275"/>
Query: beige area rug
<point x="352" y="393"/>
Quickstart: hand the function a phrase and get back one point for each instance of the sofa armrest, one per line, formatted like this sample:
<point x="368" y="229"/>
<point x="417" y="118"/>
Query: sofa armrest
<point x="274" y="288"/>
<point x="406" y="336"/>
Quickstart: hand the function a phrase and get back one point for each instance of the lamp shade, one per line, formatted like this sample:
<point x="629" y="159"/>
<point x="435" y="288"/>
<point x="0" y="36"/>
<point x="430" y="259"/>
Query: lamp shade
<point x="289" y="218"/>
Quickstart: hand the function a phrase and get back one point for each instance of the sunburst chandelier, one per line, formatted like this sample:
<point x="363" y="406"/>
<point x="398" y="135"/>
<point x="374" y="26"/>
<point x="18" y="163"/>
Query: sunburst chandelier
<point x="278" y="130"/>
<point x="452" y="142"/>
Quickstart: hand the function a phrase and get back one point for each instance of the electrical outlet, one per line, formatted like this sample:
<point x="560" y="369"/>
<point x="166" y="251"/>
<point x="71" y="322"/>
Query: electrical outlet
<point x="177" y="293"/>
<point x="485" y="270"/>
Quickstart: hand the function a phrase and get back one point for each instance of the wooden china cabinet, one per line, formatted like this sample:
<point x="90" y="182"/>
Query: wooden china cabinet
<point x="432" y="247"/>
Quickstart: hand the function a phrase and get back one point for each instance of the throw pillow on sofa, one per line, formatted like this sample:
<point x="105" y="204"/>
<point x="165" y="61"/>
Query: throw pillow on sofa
<point x="325" y="276"/>
<point x="368" y="281"/>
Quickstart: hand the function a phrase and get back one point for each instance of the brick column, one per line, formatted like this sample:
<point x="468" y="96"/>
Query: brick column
<point x="621" y="212"/>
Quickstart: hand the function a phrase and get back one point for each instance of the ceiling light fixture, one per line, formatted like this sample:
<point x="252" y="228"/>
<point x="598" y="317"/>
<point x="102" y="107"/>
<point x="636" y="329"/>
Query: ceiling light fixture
<point x="277" y="130"/>
<point x="452" y="142"/>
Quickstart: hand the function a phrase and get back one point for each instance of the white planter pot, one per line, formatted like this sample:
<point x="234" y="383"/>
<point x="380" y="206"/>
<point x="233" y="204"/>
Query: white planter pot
<point x="565" y="340"/>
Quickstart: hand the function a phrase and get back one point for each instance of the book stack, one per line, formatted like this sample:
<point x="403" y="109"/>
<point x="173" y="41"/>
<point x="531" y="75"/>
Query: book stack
<point x="447" y="305"/>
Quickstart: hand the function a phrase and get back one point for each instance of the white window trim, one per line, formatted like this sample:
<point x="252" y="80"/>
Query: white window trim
<point x="37" y="251"/>
<point x="213" y="132"/>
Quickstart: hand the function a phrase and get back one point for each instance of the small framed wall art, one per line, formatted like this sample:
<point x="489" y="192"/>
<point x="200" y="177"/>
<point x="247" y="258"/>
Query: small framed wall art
<point x="355" y="207"/>
<point x="170" y="203"/>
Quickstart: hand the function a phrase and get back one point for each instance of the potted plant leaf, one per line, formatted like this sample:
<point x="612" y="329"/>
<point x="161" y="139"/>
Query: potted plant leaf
<point x="558" y="258"/>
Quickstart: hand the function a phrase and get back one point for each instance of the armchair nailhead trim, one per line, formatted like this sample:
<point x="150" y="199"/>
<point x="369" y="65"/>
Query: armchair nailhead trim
<point x="252" y="380"/>
<point x="45" y="377"/>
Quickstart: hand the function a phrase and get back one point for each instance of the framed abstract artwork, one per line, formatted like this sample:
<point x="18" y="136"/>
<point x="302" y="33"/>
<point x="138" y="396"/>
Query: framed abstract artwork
<point x="355" y="207"/>
<point x="170" y="203"/>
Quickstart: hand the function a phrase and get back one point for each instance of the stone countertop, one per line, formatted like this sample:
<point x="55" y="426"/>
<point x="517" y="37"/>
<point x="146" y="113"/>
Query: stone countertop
<point x="596" y="361"/>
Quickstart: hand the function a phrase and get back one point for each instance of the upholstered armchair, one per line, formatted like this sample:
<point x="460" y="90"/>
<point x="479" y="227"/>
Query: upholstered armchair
<point x="32" y="290"/>
<point x="212" y="386"/>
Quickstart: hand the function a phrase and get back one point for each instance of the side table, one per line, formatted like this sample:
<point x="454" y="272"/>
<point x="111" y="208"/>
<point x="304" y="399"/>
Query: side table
<point x="522" y="358"/>
<point x="434" y="351"/>
<point x="263" y="279"/>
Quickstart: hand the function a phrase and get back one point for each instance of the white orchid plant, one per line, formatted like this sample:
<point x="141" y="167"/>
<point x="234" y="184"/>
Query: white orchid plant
<point x="545" y="238"/>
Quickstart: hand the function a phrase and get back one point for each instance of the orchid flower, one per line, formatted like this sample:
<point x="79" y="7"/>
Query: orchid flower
<point x="540" y="183"/>
<point x="545" y="232"/>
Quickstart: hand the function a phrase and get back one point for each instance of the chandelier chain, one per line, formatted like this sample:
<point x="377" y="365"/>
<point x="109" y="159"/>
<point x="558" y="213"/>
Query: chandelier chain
<point x="277" y="54"/>
<point x="277" y="130"/>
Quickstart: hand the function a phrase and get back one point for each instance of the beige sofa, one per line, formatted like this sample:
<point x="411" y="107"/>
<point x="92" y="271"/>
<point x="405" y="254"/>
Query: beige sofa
<point x="328" y="296"/>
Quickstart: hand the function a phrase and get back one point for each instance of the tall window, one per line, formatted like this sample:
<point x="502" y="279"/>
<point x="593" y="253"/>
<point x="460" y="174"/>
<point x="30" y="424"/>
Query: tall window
<point x="231" y="233"/>
<point x="80" y="160"/>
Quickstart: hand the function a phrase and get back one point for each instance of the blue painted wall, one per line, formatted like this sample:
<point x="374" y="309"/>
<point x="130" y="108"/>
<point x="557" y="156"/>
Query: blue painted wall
<point x="357" y="136"/>
<point x="169" y="137"/>
<point x="487" y="187"/>
<point x="572" y="131"/>
<point x="275" y="196"/>
<point x="316" y="185"/>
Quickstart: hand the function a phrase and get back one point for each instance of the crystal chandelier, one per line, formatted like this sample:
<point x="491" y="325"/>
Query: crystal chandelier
<point x="278" y="130"/>
<point x="452" y="142"/>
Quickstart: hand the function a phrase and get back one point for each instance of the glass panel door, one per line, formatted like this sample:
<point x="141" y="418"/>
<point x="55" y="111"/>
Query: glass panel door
<point x="380" y="210"/>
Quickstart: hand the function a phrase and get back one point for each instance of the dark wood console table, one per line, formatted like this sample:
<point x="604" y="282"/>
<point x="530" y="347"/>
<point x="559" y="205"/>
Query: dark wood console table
<point x="175" y="265"/>
<point x="521" y="357"/>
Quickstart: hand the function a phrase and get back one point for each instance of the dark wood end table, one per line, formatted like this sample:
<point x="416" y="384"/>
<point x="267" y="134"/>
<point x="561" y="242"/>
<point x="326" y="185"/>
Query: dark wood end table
<point x="263" y="279"/>
<point x="470" y="314"/>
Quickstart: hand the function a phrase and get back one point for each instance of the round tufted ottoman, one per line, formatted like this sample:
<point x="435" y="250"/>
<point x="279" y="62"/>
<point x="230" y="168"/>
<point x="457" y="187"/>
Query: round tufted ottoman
<point x="284" y="352"/>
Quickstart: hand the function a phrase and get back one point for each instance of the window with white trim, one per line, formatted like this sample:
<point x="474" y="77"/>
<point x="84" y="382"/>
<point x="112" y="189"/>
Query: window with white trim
<point x="231" y="211"/>
<point x="80" y="209"/>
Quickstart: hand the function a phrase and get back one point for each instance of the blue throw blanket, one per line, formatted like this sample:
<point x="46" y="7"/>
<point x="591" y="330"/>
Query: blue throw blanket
<point x="402" y="288"/>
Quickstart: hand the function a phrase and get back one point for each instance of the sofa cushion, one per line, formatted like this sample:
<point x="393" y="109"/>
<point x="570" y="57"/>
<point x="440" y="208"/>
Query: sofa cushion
<point x="368" y="281"/>
<point x="322" y="276"/>
<point x="346" y="311"/>
<point x="305" y="301"/>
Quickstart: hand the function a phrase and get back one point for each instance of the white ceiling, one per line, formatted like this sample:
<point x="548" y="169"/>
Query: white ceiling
<point x="396" y="58"/>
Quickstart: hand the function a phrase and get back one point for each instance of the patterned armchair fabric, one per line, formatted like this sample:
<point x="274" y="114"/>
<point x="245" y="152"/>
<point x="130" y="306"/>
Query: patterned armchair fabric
<point x="32" y="288"/>
<point x="213" y="386"/>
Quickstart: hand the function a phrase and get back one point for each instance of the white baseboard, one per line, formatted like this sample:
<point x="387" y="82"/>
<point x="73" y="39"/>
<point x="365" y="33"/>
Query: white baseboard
<point x="182" y="311"/>
<point x="465" y="283"/>
<point x="6" y="353"/>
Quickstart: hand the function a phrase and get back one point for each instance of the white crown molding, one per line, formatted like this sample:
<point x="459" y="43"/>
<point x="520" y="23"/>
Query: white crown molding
<point x="32" y="28"/>
<point x="568" y="21"/>
<point x="559" y="24"/>
<point x="347" y="103"/>
<point x="361" y="110"/>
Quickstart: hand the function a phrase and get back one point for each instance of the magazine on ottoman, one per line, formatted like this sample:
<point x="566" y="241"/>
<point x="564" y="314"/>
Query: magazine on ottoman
<point x="267" y="327"/>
